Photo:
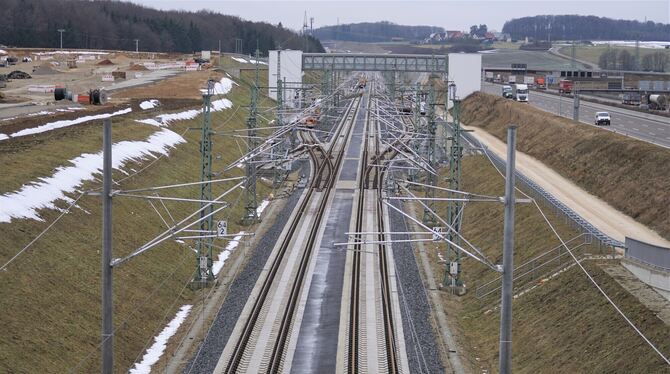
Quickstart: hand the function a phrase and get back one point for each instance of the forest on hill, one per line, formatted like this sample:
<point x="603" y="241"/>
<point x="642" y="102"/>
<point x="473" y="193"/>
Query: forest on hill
<point x="367" y="32"/>
<point x="115" y="25"/>
<point x="574" y="27"/>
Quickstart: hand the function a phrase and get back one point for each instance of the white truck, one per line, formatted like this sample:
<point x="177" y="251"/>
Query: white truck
<point x="520" y="92"/>
<point x="529" y="80"/>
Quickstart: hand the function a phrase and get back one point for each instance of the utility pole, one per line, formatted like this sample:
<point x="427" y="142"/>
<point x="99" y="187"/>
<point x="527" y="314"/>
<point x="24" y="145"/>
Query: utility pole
<point x="637" y="57"/>
<point x="107" y="295"/>
<point x="251" y="205"/>
<point x="505" y="354"/>
<point x="220" y="52"/>
<point x="203" y="247"/>
<point x="61" y="31"/>
<point x="413" y="173"/>
<point x="277" y="151"/>
<point x="304" y="34"/>
<point x="453" y="271"/>
<point x="431" y="179"/>
<point x="137" y="45"/>
<point x="238" y="46"/>
<point x="575" y="105"/>
<point x="573" y="55"/>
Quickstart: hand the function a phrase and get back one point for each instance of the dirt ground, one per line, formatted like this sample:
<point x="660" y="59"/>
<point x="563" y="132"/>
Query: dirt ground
<point x="184" y="86"/>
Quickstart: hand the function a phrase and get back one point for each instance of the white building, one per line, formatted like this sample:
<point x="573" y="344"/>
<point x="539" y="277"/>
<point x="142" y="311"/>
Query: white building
<point x="465" y="70"/>
<point x="291" y="73"/>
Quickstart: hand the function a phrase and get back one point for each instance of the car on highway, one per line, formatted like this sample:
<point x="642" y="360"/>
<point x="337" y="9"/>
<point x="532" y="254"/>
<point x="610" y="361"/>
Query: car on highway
<point x="507" y="92"/>
<point x="603" y="119"/>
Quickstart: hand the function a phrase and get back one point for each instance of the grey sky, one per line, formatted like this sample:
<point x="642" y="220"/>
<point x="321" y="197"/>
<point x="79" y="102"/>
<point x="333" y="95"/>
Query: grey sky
<point x="458" y="15"/>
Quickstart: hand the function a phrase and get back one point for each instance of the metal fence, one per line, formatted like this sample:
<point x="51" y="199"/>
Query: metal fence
<point x="649" y="254"/>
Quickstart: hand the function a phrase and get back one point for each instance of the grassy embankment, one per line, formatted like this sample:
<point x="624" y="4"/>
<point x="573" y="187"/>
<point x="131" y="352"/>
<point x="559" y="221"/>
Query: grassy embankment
<point x="629" y="174"/>
<point x="50" y="296"/>
<point x="564" y="325"/>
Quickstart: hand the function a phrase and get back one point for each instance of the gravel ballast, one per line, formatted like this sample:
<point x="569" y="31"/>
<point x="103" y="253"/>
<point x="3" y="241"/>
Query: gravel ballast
<point x="227" y="316"/>
<point x="423" y="353"/>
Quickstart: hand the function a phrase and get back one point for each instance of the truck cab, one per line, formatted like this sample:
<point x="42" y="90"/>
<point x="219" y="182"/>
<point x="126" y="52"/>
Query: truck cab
<point x="520" y="92"/>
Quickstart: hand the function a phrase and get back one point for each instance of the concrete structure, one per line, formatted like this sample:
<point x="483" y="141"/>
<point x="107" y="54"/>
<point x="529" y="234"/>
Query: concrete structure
<point x="290" y="63"/>
<point x="465" y="70"/>
<point x="650" y="263"/>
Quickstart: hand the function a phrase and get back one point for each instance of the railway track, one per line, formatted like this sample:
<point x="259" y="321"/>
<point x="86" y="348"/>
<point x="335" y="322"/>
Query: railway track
<point x="363" y="349"/>
<point x="288" y="264"/>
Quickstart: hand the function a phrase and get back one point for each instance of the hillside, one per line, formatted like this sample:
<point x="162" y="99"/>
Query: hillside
<point x="574" y="27"/>
<point x="116" y="25"/>
<point x="564" y="311"/>
<point x="57" y="281"/>
<point x="605" y="164"/>
<point x="374" y="32"/>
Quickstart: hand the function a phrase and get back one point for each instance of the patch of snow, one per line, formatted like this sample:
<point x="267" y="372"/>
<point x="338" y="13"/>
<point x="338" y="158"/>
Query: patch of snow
<point x="65" y="123"/>
<point x="631" y="43"/>
<point x="40" y="113"/>
<point x="157" y="349"/>
<point x="219" y="105"/>
<point x="165" y="119"/>
<point x="240" y="60"/>
<point x="222" y="87"/>
<point x="70" y="53"/>
<point x="256" y="61"/>
<point x="264" y="204"/>
<point x="150" y="121"/>
<point x="3" y="136"/>
<point x="149" y="104"/>
<point x="223" y="256"/>
<point x="41" y="194"/>
<point x="3" y="52"/>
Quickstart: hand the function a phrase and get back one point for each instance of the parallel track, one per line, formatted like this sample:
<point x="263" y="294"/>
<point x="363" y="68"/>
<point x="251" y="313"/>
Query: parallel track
<point x="370" y="175"/>
<point x="320" y="182"/>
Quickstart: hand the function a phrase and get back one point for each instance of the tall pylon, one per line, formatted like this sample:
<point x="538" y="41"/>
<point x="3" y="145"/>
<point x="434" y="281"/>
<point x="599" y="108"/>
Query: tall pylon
<point x="203" y="246"/>
<point x="279" y="150"/>
<point x="431" y="179"/>
<point x="452" y="272"/>
<point x="251" y="204"/>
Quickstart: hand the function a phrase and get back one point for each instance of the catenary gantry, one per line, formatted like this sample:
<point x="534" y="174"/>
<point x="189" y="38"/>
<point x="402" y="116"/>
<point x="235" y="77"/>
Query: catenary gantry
<point x="374" y="62"/>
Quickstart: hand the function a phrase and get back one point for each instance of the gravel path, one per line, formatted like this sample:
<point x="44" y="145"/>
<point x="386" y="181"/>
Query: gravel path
<point x="423" y="352"/>
<point x="240" y="289"/>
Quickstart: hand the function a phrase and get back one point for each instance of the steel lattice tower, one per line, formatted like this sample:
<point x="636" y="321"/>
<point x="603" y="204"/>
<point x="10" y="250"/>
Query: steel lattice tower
<point x="204" y="245"/>
<point x="251" y="205"/>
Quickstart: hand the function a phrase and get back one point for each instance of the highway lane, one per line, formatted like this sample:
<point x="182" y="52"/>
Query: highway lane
<point x="646" y="127"/>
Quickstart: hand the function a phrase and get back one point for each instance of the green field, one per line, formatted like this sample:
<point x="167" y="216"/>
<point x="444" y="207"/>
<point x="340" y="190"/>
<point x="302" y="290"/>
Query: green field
<point x="592" y="53"/>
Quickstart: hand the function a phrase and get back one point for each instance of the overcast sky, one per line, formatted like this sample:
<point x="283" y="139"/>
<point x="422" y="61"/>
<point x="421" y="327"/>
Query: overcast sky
<point x="450" y="14"/>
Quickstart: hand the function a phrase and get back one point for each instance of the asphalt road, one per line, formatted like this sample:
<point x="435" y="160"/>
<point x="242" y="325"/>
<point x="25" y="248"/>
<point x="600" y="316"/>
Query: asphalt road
<point x="647" y="127"/>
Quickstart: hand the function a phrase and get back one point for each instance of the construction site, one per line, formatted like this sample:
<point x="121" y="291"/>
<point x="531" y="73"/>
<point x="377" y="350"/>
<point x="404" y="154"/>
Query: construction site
<point x="330" y="212"/>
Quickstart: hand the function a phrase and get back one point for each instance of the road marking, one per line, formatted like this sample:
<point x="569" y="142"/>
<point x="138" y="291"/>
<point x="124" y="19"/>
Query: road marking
<point x="636" y="129"/>
<point x="652" y="134"/>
